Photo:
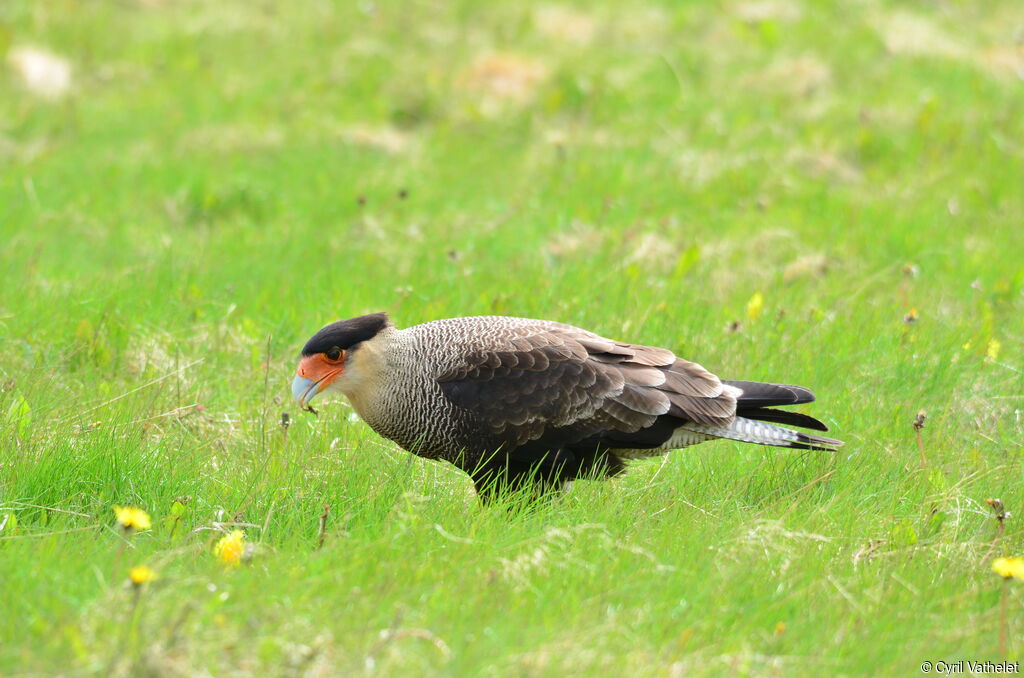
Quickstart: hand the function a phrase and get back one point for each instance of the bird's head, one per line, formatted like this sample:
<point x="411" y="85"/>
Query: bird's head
<point x="329" y="352"/>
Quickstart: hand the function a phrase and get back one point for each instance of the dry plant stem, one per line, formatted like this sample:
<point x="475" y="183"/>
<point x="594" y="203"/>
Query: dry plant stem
<point x="1002" y="618"/>
<point x="119" y="557"/>
<point x="918" y="425"/>
<point x="991" y="549"/>
<point x="127" y="631"/>
<point x="323" y="526"/>
<point x="1001" y="514"/>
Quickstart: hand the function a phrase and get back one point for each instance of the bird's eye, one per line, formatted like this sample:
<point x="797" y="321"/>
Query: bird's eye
<point x="334" y="353"/>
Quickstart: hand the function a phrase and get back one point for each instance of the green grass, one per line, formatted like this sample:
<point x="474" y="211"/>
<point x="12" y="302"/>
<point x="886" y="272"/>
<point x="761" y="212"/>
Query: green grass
<point x="176" y="225"/>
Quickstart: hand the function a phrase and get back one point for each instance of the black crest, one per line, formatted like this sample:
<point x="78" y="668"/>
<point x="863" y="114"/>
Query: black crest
<point x="346" y="333"/>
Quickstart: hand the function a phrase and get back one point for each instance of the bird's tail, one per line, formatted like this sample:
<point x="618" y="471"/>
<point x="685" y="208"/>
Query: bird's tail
<point x="762" y="433"/>
<point x="755" y="419"/>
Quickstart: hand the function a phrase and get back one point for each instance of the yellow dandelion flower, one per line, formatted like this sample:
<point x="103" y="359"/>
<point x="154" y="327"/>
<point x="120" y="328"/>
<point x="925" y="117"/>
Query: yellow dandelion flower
<point x="755" y="306"/>
<point x="132" y="518"/>
<point x="141" y="575"/>
<point x="992" y="352"/>
<point x="1009" y="567"/>
<point x="230" y="548"/>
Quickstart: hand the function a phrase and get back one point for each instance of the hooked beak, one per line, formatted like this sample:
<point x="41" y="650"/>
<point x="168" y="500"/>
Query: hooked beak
<point x="314" y="374"/>
<point x="304" y="390"/>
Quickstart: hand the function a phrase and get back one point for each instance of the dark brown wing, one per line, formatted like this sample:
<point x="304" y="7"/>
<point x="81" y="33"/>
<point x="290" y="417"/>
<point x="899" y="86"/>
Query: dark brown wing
<point x="551" y="386"/>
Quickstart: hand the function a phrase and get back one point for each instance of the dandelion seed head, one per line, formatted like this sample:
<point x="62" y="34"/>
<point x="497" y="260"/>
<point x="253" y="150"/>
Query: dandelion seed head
<point x="42" y="72"/>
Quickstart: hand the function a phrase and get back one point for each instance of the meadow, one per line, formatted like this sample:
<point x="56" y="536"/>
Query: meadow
<point x="822" y="193"/>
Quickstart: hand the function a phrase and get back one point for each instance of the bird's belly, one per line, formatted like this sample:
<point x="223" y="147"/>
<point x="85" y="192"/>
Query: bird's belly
<point x="409" y="436"/>
<point x="424" y="425"/>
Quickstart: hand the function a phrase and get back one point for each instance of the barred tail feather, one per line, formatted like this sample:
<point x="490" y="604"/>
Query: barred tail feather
<point x="761" y="433"/>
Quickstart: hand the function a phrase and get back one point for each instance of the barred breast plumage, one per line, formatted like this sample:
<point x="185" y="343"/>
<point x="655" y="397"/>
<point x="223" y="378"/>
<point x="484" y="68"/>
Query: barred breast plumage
<point x="506" y="399"/>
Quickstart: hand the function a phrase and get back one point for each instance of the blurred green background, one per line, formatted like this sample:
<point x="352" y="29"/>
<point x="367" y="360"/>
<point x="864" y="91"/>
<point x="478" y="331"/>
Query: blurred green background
<point x="823" y="193"/>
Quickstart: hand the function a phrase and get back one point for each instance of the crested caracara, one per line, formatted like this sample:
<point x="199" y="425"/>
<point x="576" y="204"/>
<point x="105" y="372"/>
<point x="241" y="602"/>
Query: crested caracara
<point x="509" y="399"/>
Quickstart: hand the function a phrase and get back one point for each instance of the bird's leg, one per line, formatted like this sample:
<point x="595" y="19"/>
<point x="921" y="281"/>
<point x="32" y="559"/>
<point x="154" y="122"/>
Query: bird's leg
<point x="496" y="481"/>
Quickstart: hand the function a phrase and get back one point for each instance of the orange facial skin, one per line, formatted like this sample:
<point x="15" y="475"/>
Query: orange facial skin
<point x="320" y="370"/>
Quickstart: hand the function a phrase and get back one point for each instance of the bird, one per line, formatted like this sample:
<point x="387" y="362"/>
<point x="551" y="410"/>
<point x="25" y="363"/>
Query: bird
<point x="518" y="402"/>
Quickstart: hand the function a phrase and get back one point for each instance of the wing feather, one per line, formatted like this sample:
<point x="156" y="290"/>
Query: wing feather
<point x="692" y="379"/>
<point x="646" y="401"/>
<point x="551" y="382"/>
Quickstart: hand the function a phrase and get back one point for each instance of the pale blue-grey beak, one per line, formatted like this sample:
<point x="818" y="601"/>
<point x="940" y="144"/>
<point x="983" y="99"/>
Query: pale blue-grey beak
<point x="304" y="390"/>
